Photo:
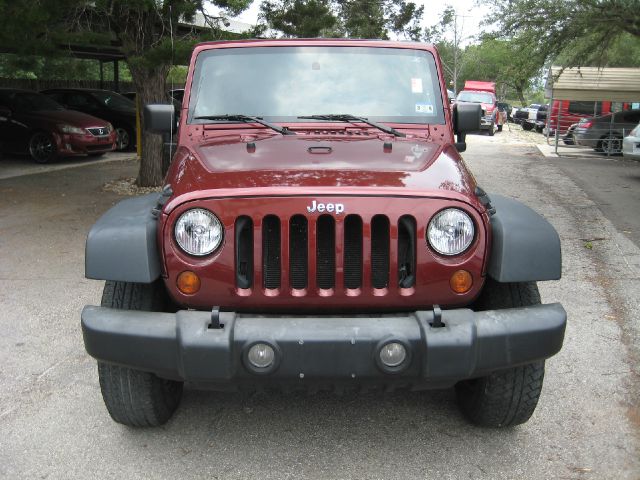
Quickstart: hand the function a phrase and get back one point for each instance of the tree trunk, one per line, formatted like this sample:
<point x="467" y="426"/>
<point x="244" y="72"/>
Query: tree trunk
<point x="150" y="88"/>
<point x="520" y="92"/>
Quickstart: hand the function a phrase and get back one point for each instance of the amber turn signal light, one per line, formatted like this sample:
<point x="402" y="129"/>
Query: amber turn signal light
<point x="461" y="281"/>
<point x="188" y="282"/>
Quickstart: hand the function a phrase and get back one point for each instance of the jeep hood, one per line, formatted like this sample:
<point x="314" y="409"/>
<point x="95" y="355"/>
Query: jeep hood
<point x="302" y="164"/>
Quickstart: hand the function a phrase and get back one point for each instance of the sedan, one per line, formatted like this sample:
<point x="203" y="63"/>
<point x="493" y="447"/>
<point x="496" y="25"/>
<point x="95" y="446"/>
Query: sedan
<point x="110" y="106"/>
<point x="33" y="123"/>
<point x="605" y="133"/>
<point x="631" y="144"/>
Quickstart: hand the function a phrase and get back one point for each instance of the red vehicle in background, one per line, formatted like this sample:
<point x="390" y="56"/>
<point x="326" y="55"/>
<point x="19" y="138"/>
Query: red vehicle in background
<point x="565" y="113"/>
<point x="484" y="93"/>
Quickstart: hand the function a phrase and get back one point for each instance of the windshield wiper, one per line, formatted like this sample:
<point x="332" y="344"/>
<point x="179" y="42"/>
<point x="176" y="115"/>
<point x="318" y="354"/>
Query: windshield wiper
<point x="246" y="119"/>
<point x="352" y="118"/>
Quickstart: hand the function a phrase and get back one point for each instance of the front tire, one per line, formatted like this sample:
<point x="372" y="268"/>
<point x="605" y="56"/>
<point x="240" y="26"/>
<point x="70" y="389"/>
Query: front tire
<point x="133" y="397"/>
<point x="42" y="147"/>
<point x="610" y="145"/>
<point x="507" y="397"/>
<point x="124" y="139"/>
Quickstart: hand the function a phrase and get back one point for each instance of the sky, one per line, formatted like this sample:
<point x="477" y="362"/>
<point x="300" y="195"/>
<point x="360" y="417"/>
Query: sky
<point x="470" y="14"/>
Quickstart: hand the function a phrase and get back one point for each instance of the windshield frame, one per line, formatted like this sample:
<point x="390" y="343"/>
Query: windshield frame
<point x="439" y="118"/>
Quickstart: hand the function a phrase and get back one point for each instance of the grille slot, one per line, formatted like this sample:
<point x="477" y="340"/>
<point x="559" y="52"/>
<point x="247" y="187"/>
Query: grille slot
<point x="326" y="252"/>
<point x="244" y="252"/>
<point x="352" y="251"/>
<point x="298" y="247"/>
<point x="406" y="252"/>
<point x="271" y="252"/>
<point x="380" y="251"/>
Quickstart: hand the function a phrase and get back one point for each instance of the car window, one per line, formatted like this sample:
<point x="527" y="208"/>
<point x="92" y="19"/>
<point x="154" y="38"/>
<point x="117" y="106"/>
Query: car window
<point x="585" y="108"/>
<point x="23" y="101"/>
<point x="382" y="84"/>
<point x="80" y="101"/>
<point x="113" y="100"/>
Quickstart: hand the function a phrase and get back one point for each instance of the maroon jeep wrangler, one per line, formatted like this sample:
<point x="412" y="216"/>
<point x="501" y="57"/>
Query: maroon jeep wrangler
<point x="318" y="228"/>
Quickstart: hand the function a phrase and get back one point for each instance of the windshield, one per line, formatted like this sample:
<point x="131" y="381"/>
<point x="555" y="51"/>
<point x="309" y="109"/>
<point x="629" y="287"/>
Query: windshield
<point x="475" y="97"/>
<point x="114" y="100"/>
<point x="283" y="83"/>
<point x="30" y="101"/>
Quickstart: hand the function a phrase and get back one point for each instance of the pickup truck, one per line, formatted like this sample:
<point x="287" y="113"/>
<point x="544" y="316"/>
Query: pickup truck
<point x="484" y="94"/>
<point x="319" y="229"/>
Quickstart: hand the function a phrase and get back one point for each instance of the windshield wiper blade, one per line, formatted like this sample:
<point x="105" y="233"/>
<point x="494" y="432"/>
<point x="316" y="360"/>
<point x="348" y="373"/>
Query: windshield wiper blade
<point x="246" y="119"/>
<point x="345" y="117"/>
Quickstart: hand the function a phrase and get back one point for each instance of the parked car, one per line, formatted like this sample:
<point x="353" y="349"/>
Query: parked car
<point x="523" y="113"/>
<point x="564" y="113"/>
<point x="483" y="94"/>
<point x="536" y="118"/>
<point x="631" y="144"/>
<point x="35" y="124"/>
<point x="304" y="242"/>
<point x="110" y="106"/>
<point x="605" y="133"/>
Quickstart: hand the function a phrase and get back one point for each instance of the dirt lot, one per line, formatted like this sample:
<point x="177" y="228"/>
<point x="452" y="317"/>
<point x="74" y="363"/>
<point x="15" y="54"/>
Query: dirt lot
<point x="54" y="424"/>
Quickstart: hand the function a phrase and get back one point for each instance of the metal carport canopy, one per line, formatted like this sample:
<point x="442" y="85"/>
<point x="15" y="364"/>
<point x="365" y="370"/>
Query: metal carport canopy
<point x="593" y="84"/>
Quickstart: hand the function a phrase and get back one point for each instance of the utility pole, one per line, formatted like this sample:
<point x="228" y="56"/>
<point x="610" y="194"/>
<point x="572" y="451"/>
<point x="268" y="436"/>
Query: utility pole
<point x="455" y="54"/>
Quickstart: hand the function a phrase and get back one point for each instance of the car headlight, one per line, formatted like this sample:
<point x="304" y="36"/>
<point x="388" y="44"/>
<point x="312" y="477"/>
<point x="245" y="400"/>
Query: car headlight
<point x="109" y="128"/>
<point x="450" y="231"/>
<point x="64" y="128"/>
<point x="198" y="232"/>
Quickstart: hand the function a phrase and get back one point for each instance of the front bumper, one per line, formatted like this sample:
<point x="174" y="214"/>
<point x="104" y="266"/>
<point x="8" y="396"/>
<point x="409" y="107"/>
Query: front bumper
<point x="68" y="144"/>
<point x="182" y="346"/>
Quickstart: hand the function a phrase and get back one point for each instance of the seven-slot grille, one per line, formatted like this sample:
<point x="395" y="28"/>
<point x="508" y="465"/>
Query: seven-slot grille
<point x="325" y="252"/>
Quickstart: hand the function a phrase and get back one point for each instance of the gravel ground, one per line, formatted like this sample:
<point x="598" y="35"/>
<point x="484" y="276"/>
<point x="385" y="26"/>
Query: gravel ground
<point x="54" y="424"/>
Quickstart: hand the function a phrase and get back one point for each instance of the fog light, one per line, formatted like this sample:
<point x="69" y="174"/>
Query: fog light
<point x="188" y="282"/>
<point x="461" y="281"/>
<point x="261" y="355"/>
<point x="393" y="354"/>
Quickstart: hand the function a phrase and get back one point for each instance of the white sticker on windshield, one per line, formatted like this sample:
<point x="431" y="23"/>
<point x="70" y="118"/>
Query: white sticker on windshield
<point x="424" y="108"/>
<point x="416" y="85"/>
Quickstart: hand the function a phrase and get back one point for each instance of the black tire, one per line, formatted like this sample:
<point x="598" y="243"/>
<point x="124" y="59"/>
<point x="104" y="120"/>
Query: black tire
<point x="491" y="131"/>
<point x="527" y="126"/>
<point x="42" y="147"/>
<point x="124" y="139"/>
<point x="133" y="397"/>
<point x="507" y="397"/>
<point x="610" y="144"/>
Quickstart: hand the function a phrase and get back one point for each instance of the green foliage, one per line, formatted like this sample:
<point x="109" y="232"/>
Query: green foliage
<point x="343" y="18"/>
<point x="570" y="32"/>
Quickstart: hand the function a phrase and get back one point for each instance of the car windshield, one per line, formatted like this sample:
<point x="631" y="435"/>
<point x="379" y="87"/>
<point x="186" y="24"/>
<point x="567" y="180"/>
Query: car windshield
<point x="284" y="83"/>
<point x="30" y="101"/>
<point x="114" y="100"/>
<point x="475" y="97"/>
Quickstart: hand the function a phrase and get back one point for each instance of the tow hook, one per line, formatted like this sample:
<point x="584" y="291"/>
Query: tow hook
<point x="437" y="317"/>
<point x="215" y="319"/>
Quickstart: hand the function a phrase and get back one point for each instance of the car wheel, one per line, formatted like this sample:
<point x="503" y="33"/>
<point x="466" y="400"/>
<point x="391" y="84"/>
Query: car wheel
<point x="611" y="145"/>
<point x="527" y="126"/>
<point x="491" y="129"/>
<point x="133" y="397"/>
<point x="42" y="147"/>
<point x="507" y="397"/>
<point x="123" y="139"/>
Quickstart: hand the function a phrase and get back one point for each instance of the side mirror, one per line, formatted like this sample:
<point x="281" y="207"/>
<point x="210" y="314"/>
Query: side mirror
<point x="159" y="118"/>
<point x="5" y="112"/>
<point x="466" y="118"/>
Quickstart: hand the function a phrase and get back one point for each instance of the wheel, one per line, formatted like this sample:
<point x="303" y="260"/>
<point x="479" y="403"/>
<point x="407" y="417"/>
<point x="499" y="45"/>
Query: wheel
<point x="539" y="129"/>
<point x="132" y="397"/>
<point x="527" y="126"/>
<point x="499" y="128"/>
<point x="611" y="145"/>
<point x="42" y="147"/>
<point x="123" y="139"/>
<point x="491" y="132"/>
<point x="507" y="397"/>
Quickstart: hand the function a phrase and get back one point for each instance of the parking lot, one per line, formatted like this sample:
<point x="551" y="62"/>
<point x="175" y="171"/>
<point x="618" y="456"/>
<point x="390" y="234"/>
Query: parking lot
<point x="587" y="425"/>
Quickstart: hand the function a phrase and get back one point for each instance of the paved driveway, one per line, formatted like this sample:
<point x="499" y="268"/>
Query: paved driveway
<point x="53" y="423"/>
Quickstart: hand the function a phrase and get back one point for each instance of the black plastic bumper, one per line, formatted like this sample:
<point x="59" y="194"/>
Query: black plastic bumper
<point x="331" y="348"/>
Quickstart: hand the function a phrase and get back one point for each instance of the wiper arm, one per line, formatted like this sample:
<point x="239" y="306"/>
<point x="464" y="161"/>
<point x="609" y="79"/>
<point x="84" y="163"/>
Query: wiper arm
<point x="246" y="119"/>
<point x="352" y="118"/>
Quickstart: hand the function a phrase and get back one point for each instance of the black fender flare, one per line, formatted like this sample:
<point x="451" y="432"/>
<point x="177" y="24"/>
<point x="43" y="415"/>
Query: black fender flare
<point x="122" y="245"/>
<point x="525" y="247"/>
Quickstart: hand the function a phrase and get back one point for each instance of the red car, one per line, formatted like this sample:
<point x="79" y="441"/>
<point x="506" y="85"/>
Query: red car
<point x="318" y="228"/>
<point x="33" y="123"/>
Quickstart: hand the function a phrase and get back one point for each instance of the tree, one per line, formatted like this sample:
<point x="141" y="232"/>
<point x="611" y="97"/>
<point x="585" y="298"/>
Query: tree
<point x="579" y="32"/>
<point x="147" y="31"/>
<point x="343" y="18"/>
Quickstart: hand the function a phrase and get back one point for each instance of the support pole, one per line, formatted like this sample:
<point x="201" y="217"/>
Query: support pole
<point x="101" y="75"/>
<point x="116" y="75"/>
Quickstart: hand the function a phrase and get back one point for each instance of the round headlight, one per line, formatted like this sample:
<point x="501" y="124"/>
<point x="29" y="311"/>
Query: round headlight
<point x="198" y="232"/>
<point x="450" y="231"/>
